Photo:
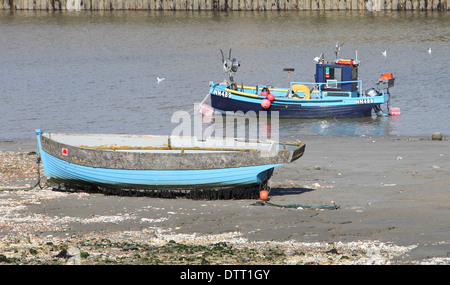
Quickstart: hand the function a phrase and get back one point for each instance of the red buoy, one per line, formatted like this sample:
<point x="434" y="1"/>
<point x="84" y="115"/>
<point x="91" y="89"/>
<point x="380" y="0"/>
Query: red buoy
<point x="394" y="111"/>
<point x="264" y="93"/>
<point x="265" y="103"/>
<point x="271" y="97"/>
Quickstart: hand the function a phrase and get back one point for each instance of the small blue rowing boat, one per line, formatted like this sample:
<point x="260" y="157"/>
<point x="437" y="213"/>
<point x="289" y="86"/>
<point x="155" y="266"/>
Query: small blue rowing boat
<point x="337" y="92"/>
<point x="123" y="164"/>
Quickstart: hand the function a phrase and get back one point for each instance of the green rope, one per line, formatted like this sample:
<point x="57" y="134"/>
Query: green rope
<point x="326" y="207"/>
<point x="262" y="203"/>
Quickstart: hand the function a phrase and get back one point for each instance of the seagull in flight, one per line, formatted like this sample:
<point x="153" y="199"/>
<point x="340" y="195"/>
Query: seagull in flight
<point x="338" y="49"/>
<point x="429" y="50"/>
<point x="384" y="53"/>
<point x="160" y="79"/>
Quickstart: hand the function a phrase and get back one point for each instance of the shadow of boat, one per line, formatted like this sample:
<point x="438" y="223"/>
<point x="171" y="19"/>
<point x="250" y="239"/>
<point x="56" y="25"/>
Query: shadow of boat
<point x="281" y="191"/>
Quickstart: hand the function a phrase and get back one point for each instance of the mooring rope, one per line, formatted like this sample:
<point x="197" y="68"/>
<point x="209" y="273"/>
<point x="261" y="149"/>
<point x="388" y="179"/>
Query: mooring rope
<point x="38" y="183"/>
<point x="201" y="103"/>
<point x="326" y="207"/>
<point x="264" y="201"/>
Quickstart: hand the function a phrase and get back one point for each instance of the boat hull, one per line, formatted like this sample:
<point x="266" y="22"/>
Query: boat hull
<point x="224" y="99"/>
<point x="157" y="169"/>
<point x="62" y="171"/>
<point x="319" y="110"/>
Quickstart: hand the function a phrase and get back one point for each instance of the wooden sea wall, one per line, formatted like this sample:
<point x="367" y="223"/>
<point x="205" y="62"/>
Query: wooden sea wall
<point x="227" y="5"/>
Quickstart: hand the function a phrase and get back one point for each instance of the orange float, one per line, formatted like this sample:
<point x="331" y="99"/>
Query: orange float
<point x="264" y="195"/>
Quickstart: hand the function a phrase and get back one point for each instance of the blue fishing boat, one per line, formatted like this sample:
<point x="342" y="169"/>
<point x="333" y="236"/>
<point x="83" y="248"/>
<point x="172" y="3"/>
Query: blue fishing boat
<point x="143" y="164"/>
<point x="336" y="92"/>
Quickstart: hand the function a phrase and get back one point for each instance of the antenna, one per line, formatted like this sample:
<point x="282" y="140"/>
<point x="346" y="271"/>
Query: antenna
<point x="230" y="66"/>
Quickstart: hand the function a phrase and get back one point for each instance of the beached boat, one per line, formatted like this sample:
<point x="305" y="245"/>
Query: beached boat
<point x="336" y="92"/>
<point x="160" y="164"/>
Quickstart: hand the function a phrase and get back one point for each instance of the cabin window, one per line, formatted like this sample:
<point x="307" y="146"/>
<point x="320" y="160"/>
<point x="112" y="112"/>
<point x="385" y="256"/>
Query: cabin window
<point x="332" y="76"/>
<point x="354" y="73"/>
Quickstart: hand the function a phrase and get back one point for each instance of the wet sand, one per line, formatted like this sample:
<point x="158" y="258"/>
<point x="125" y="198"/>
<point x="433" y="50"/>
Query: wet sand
<point x="392" y="193"/>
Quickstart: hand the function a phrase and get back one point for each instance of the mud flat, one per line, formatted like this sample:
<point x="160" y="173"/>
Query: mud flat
<point x="392" y="193"/>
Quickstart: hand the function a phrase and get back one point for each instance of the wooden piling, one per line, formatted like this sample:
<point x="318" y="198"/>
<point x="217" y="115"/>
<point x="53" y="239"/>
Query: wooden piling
<point x="230" y="5"/>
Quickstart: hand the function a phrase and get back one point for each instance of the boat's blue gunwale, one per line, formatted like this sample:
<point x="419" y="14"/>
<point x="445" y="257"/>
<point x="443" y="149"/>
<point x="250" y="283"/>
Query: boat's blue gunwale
<point x="253" y="98"/>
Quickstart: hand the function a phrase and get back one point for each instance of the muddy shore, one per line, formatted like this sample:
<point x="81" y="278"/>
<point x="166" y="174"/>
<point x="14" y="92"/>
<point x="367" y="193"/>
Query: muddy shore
<point x="392" y="193"/>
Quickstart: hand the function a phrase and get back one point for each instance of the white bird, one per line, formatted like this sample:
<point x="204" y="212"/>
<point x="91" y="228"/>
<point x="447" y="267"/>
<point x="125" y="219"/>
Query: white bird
<point x="338" y="49"/>
<point x="160" y="79"/>
<point x="384" y="53"/>
<point x="429" y="50"/>
<point x="318" y="58"/>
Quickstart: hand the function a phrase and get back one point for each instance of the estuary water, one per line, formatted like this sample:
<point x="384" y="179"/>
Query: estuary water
<point x="96" y="72"/>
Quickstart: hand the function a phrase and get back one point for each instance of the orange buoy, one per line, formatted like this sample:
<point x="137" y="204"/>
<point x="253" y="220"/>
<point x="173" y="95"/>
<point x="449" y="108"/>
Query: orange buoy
<point x="265" y="103"/>
<point x="271" y="97"/>
<point x="386" y="76"/>
<point x="264" y="195"/>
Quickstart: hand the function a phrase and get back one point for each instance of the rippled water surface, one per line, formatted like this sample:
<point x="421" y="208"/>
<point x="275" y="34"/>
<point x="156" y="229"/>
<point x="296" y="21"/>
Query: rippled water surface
<point x="95" y="72"/>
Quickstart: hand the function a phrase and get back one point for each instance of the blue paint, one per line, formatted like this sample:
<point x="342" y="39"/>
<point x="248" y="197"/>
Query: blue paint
<point x="61" y="170"/>
<point x="336" y="92"/>
<point x="337" y="107"/>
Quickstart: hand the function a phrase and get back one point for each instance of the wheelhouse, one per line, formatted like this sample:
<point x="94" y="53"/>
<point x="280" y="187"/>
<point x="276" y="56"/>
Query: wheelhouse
<point x="338" y="77"/>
